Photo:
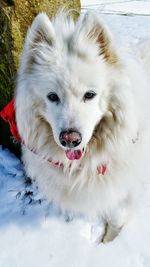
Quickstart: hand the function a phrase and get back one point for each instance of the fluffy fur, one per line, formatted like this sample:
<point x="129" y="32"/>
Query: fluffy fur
<point x="70" y="59"/>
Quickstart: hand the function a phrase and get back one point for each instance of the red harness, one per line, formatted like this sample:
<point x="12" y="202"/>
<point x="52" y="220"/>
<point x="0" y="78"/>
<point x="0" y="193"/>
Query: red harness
<point x="9" y="115"/>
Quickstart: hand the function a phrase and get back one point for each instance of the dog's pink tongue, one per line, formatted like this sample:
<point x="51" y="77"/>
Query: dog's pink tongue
<point x="74" y="154"/>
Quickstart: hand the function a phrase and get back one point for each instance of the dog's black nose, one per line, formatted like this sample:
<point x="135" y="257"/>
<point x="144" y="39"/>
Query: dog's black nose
<point x="70" y="138"/>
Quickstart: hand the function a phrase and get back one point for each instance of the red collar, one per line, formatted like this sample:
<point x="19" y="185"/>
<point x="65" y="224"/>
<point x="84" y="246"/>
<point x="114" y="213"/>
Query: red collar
<point x="9" y="115"/>
<point x="101" y="170"/>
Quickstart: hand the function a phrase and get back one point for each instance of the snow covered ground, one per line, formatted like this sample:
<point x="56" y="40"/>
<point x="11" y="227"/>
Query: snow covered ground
<point x="118" y="6"/>
<point x="34" y="233"/>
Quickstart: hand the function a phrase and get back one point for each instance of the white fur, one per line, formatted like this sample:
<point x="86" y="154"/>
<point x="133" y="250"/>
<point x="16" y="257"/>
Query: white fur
<point x="70" y="59"/>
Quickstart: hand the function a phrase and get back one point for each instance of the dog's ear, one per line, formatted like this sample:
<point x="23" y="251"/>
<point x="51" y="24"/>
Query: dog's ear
<point x="93" y="29"/>
<point x="40" y="34"/>
<point x="41" y="31"/>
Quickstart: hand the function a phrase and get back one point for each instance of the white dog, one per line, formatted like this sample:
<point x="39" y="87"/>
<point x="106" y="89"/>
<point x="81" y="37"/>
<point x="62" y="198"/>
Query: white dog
<point x="82" y="110"/>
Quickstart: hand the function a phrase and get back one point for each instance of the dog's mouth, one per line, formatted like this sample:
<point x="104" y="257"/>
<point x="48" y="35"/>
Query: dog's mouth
<point x="74" y="154"/>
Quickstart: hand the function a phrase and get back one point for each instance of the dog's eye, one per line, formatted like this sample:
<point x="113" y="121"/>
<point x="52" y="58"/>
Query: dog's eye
<point x="53" y="97"/>
<point x="89" y="95"/>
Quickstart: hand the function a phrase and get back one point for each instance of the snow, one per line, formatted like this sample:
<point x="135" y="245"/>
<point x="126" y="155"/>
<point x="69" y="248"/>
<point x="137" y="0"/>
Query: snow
<point x="123" y="7"/>
<point x="35" y="233"/>
<point x="99" y="2"/>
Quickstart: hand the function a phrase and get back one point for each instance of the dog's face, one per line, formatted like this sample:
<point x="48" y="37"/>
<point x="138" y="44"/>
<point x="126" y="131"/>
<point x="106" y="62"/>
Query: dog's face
<point x="67" y="70"/>
<point x="72" y="107"/>
<point x="73" y="101"/>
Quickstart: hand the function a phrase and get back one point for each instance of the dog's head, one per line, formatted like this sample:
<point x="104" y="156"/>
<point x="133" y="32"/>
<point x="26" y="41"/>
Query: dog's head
<point x="64" y="81"/>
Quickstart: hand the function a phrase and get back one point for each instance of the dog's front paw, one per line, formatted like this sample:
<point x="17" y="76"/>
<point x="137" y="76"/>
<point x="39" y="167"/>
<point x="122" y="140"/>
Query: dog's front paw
<point x="99" y="232"/>
<point x="110" y="233"/>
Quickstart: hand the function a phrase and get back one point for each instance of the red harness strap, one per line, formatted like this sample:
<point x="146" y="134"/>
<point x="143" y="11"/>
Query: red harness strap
<point x="8" y="114"/>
